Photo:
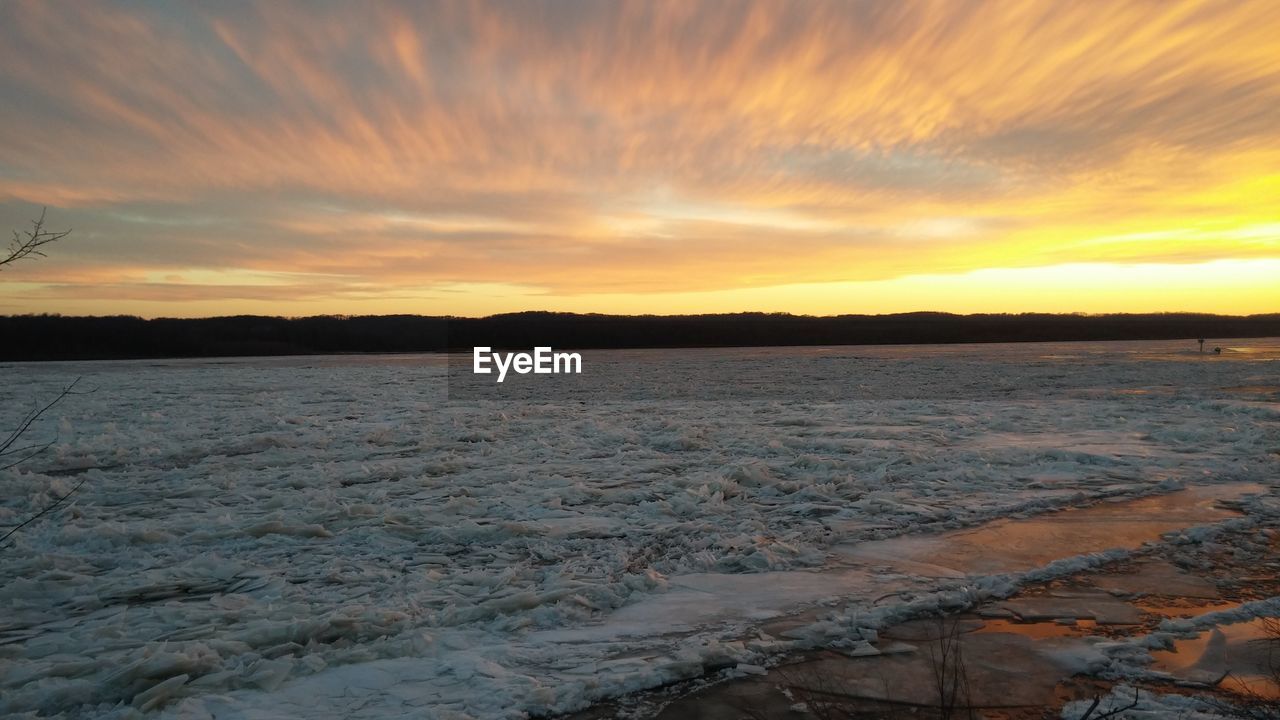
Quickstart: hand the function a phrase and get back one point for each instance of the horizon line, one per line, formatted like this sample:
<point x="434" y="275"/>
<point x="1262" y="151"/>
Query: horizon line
<point x="738" y="313"/>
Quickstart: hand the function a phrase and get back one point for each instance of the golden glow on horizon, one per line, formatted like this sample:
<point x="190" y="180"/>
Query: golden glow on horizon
<point x="1077" y="287"/>
<point x="660" y="157"/>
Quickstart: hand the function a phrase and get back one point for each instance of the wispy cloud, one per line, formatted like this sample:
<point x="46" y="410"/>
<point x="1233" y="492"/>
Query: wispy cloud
<point x="576" y="149"/>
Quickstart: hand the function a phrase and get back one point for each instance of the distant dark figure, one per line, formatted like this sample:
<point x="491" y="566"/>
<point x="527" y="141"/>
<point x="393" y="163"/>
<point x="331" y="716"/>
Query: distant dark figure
<point x="1201" y="341"/>
<point x="1217" y="351"/>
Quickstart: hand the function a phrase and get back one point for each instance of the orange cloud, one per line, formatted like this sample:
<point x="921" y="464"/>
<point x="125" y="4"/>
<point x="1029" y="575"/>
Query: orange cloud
<point x="655" y="149"/>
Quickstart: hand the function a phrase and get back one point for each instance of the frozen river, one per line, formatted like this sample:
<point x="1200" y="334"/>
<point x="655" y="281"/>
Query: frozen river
<point x="255" y="533"/>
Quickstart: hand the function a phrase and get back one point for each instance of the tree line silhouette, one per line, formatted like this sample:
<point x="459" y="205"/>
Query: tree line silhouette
<point x="56" y="337"/>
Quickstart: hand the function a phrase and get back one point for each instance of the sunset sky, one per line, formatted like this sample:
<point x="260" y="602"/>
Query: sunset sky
<point x="812" y="157"/>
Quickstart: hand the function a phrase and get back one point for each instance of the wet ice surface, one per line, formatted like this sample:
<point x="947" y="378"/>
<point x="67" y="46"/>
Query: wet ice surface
<point x="312" y="536"/>
<point x="1004" y="545"/>
<point x="1237" y="655"/>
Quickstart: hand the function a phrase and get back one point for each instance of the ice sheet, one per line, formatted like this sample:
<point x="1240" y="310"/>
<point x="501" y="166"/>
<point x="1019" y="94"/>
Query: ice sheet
<point x="312" y="537"/>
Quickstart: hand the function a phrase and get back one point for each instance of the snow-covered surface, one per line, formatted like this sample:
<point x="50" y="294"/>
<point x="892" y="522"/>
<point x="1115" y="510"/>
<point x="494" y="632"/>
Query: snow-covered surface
<point x="341" y="537"/>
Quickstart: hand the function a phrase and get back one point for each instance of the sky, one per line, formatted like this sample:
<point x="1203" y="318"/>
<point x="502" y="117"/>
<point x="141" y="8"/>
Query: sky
<point x="642" y="157"/>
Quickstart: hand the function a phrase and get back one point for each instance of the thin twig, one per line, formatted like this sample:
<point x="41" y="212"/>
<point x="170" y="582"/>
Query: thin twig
<point x="7" y="449"/>
<point x="30" y="241"/>
<point x="43" y="512"/>
<point x="32" y="417"/>
<point x="38" y="449"/>
<point x="1110" y="713"/>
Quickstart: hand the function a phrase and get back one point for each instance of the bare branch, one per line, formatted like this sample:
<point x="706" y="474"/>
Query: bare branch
<point x="48" y="508"/>
<point x="6" y="447"/>
<point x="1088" y="715"/>
<point x="24" y="245"/>
<point x="28" y="243"/>
<point x="26" y="452"/>
<point x="35" y="450"/>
